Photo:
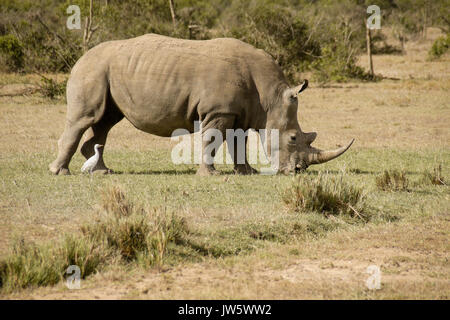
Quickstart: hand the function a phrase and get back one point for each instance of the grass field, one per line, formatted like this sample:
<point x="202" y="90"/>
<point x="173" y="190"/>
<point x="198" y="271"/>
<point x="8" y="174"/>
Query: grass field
<point x="249" y="243"/>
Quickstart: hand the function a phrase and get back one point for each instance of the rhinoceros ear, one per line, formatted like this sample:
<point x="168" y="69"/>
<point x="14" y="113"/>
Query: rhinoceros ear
<point x="296" y="90"/>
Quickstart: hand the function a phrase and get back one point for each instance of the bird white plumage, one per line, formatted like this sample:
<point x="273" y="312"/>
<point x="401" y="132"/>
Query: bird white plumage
<point x="90" y="163"/>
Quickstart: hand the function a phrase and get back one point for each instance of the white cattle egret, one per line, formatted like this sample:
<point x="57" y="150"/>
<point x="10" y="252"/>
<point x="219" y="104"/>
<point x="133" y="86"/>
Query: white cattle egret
<point x="90" y="163"/>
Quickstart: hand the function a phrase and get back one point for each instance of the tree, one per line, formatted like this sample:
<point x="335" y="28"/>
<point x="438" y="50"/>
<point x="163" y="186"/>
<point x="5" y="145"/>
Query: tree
<point x="88" y="28"/>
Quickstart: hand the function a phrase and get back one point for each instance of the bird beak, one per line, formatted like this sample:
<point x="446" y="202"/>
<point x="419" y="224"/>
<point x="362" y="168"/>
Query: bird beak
<point x="100" y="145"/>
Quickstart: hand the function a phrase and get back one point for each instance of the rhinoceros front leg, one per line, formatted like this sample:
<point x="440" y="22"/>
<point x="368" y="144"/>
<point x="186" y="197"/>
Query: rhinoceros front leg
<point x="213" y="128"/>
<point x="239" y="167"/>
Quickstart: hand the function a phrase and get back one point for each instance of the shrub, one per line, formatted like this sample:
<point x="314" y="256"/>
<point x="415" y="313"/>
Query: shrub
<point x="439" y="47"/>
<point x="338" y="64"/>
<point x="11" y="52"/>
<point x="326" y="194"/>
<point x="276" y="29"/>
<point x="297" y="33"/>
<point x="49" y="88"/>
<point x="341" y="39"/>
<point x="393" y="180"/>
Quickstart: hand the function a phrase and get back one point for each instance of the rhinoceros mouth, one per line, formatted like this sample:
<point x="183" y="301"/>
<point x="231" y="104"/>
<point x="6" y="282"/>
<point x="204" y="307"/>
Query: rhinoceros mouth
<point x="301" y="167"/>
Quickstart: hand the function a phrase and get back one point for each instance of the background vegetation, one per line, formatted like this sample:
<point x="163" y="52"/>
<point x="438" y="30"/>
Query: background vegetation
<point x="322" y="36"/>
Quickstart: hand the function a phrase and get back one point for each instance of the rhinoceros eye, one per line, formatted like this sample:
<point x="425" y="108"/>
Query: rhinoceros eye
<point x="293" y="138"/>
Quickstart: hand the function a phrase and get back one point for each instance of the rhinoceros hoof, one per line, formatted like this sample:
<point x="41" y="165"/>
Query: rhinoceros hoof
<point x="245" y="169"/>
<point x="63" y="172"/>
<point x="207" y="171"/>
<point x="56" y="169"/>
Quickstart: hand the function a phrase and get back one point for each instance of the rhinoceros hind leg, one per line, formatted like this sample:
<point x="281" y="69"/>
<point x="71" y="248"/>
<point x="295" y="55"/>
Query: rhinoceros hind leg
<point x="98" y="133"/>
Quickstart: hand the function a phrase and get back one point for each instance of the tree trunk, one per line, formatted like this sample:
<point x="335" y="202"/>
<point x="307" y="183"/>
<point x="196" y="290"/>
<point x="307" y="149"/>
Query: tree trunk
<point x="172" y="13"/>
<point x="369" y="50"/>
<point x="425" y="23"/>
<point x="88" y="28"/>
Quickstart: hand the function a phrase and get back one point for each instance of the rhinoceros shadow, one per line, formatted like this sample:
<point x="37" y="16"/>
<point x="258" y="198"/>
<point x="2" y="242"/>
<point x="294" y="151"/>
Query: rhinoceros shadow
<point x="357" y="171"/>
<point x="159" y="172"/>
<point x="228" y="172"/>
<point x="169" y="172"/>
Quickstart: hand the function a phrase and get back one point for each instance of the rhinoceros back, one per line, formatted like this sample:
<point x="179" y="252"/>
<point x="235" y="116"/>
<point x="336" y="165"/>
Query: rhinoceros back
<point x="161" y="83"/>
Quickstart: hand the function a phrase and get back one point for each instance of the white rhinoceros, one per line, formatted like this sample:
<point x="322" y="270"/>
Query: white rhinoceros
<point x="161" y="84"/>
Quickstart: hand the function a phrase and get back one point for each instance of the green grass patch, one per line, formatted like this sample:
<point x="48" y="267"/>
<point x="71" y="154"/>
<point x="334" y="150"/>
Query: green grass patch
<point x="31" y="265"/>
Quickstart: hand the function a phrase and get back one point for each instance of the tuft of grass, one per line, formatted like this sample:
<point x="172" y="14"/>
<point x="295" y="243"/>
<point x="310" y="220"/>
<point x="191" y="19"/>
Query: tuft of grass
<point x="89" y="256"/>
<point x="115" y="203"/>
<point x="326" y="194"/>
<point x="30" y="265"/>
<point x="392" y="180"/>
<point x="435" y="177"/>
<point x="137" y="234"/>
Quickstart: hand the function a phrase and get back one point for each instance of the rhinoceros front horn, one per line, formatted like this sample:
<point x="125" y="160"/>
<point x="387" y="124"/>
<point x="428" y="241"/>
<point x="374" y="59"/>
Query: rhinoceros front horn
<point x="318" y="156"/>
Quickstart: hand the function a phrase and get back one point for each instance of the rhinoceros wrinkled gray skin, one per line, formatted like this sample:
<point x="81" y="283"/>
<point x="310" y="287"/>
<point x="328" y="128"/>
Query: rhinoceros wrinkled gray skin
<point x="161" y="84"/>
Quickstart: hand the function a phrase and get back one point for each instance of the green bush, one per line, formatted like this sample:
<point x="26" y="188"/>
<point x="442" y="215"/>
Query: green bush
<point x="276" y="29"/>
<point x="321" y="36"/>
<point x="49" y="88"/>
<point x="338" y="64"/>
<point x="439" y="47"/>
<point x="11" y="53"/>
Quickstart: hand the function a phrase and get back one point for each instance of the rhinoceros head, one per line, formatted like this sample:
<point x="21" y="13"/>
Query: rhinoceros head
<point x="295" y="150"/>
